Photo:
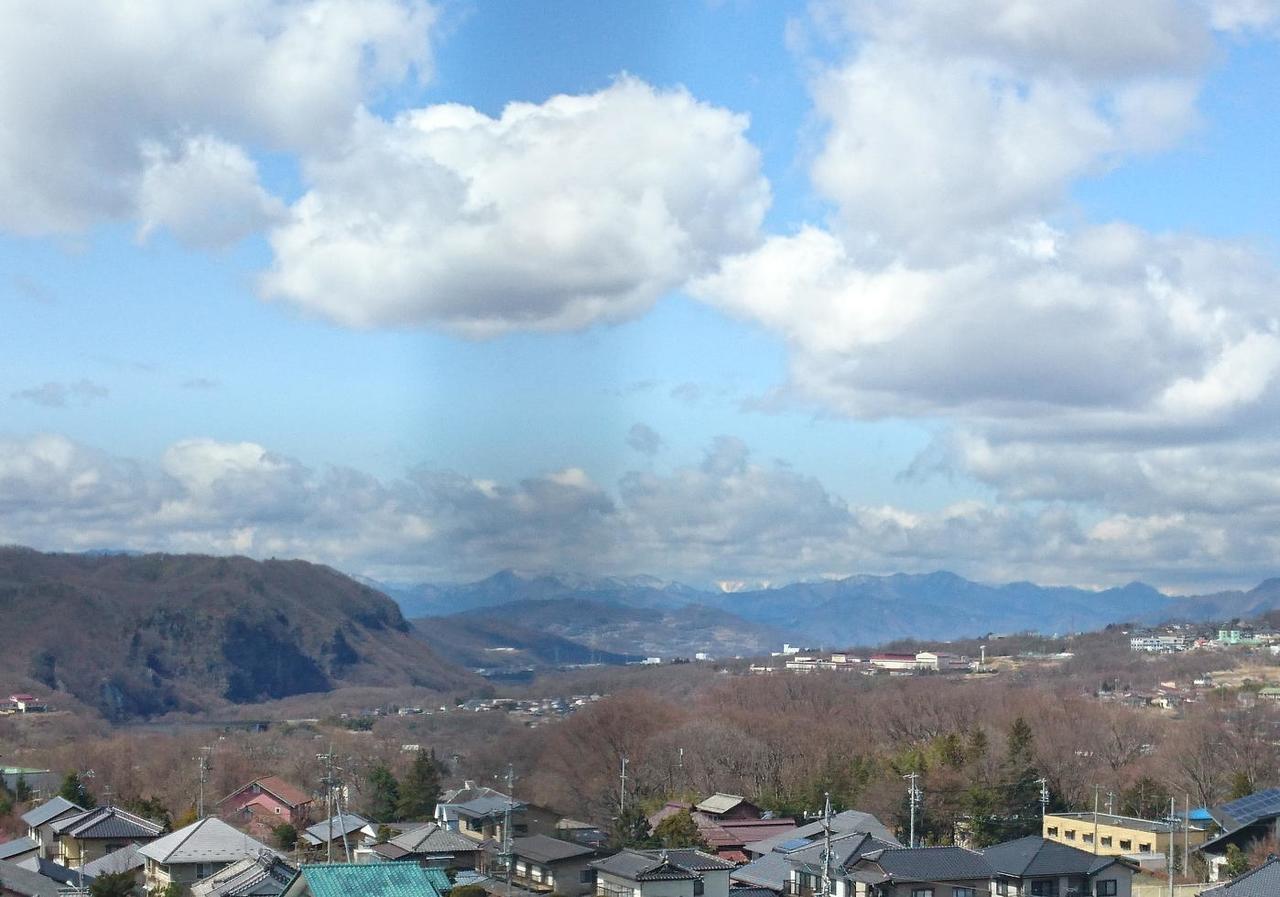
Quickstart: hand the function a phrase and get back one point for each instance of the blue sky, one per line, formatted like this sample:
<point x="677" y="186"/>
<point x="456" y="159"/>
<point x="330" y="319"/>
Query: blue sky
<point x="771" y="291"/>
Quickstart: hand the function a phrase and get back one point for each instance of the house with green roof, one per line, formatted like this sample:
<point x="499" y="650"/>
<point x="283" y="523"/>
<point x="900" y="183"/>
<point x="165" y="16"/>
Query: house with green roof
<point x="365" y="879"/>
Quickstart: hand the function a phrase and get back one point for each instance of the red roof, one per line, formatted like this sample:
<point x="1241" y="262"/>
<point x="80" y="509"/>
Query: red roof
<point x="277" y="787"/>
<point x="910" y="657"/>
<point x="23" y="698"/>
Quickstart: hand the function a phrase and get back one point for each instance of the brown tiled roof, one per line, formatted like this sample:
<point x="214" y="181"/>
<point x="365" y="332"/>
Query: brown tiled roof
<point x="278" y="788"/>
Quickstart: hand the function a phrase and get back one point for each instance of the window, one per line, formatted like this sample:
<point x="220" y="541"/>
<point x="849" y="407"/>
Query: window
<point x="1106" y="840"/>
<point x="1071" y="834"/>
<point x="922" y="892"/>
<point x="1144" y="848"/>
<point x="1126" y="845"/>
<point x="964" y="892"/>
<point x="699" y="888"/>
<point x="1002" y="888"/>
<point x="1044" y="887"/>
<point x="1106" y="888"/>
<point x="1088" y="837"/>
<point x="1052" y="831"/>
<point x="586" y="876"/>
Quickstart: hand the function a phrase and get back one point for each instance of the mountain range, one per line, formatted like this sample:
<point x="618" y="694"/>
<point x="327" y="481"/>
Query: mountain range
<point x="673" y="618"/>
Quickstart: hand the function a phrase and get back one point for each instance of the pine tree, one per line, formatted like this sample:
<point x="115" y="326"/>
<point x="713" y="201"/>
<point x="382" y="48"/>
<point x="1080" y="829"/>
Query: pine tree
<point x="385" y="797"/>
<point x="75" y="791"/>
<point x="630" y="829"/>
<point x="1022" y="801"/>
<point x="420" y="790"/>
<point x="679" y="830"/>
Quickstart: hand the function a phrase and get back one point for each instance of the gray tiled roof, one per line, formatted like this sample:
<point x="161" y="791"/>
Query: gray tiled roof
<point x="845" y="850"/>
<point x="841" y="823"/>
<point x="431" y="838"/>
<point x="63" y="875"/>
<point x="260" y="876"/>
<point x="544" y="849"/>
<point x="488" y="805"/>
<point x="126" y="859"/>
<point x="769" y="871"/>
<point x="931" y="863"/>
<point x="343" y="824"/>
<point x="11" y="849"/>
<point x="661" y="865"/>
<point x="1261" y="882"/>
<point x="26" y="883"/>
<point x="50" y="809"/>
<point x="1034" y="855"/>
<point x="208" y="841"/>
<point x="108" y="822"/>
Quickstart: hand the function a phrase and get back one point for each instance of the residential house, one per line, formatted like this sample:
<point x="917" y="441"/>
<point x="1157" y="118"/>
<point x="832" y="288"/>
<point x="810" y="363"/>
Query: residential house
<point x="195" y="852"/>
<point x="662" y="873"/>
<point x="922" y="872"/>
<point x="812" y="832"/>
<point x="1107" y="834"/>
<point x="25" y="703"/>
<point x="581" y="832"/>
<point x="1245" y="820"/>
<point x="1039" y="867"/>
<point x="264" y="875"/>
<point x="18" y="850"/>
<point x="805" y="867"/>
<point x="126" y="859"/>
<point x="727" y="822"/>
<point x="366" y="879"/>
<point x="265" y="803"/>
<point x="478" y="812"/>
<point x="40" y="822"/>
<point x="57" y="872"/>
<point x="430" y="845"/>
<point x="548" y="865"/>
<point x="18" y="882"/>
<point x="96" y="833"/>
<point x="347" y="832"/>
<point x="1263" y="881"/>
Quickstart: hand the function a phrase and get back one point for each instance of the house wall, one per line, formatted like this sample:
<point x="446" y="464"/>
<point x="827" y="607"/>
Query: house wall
<point x="981" y="886"/>
<point x="160" y="876"/>
<point x="74" y="852"/>
<point x="1111" y="838"/>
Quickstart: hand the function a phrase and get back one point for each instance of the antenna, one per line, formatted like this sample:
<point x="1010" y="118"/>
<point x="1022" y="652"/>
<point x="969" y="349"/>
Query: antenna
<point x="913" y="795"/>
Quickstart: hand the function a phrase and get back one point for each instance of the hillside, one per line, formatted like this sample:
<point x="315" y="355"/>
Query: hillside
<point x="142" y="635"/>
<point x="492" y="641"/>
<point x="625" y="630"/>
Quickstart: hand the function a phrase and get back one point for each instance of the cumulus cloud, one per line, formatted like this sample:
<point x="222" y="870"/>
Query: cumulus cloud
<point x="205" y="192"/>
<point x="644" y="439"/>
<point x="552" y="216"/>
<point x="54" y="394"/>
<point x="95" y="96"/>
<point x="728" y="516"/>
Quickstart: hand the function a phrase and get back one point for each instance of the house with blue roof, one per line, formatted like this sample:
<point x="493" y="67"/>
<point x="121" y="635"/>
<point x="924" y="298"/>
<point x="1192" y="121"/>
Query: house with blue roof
<point x="364" y="879"/>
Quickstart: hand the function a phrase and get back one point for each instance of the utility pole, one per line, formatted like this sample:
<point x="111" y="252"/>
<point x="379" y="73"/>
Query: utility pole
<point x="1173" y="821"/>
<point x="1186" y="836"/>
<point x="1111" y="803"/>
<point x="327" y="760"/>
<point x="913" y="795"/>
<point x="622" y="789"/>
<point x="1044" y="799"/>
<point x="827" y="876"/>
<point x="506" y="826"/>
<point x="1096" y="790"/>
<point x="204" y="767"/>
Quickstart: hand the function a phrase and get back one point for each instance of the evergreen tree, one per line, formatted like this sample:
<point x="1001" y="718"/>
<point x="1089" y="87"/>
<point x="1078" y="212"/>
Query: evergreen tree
<point x="630" y="829"/>
<point x="75" y="791"/>
<point x="113" y="884"/>
<point x="679" y="830"/>
<point x="1241" y="786"/>
<point x="420" y="790"/>
<point x="385" y="796"/>
<point x="286" y="836"/>
<point x="1237" y="861"/>
<point x="21" y="790"/>
<point x="1022" y="796"/>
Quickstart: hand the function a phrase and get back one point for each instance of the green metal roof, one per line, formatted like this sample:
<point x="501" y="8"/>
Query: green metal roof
<point x="369" y="880"/>
<point x="438" y="878"/>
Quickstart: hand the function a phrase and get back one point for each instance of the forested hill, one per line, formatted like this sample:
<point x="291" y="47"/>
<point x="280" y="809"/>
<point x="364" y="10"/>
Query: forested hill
<point x="146" y="634"/>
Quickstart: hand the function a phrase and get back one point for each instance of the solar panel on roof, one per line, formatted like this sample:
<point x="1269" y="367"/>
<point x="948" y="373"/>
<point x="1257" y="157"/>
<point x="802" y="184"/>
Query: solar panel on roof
<point x="1247" y="809"/>
<point x="794" y="844"/>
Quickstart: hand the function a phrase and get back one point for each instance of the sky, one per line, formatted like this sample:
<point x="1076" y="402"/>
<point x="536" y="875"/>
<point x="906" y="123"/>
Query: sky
<point x="721" y="291"/>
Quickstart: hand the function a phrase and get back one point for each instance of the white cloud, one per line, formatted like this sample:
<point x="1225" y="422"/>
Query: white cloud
<point x="88" y="90"/>
<point x="54" y="394"/>
<point x="206" y="192"/>
<point x="552" y="216"/>
<point x="726" y="517"/>
<point x="1245" y="15"/>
